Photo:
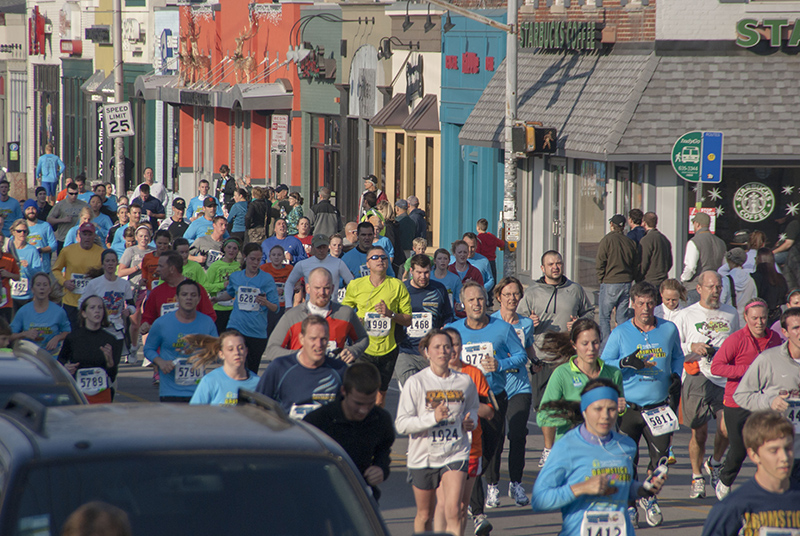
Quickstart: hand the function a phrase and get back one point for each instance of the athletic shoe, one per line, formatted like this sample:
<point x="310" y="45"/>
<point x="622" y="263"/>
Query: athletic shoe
<point x="543" y="458"/>
<point x="722" y="490"/>
<point x="652" y="512"/>
<point x="671" y="457"/>
<point x="492" y="496"/>
<point x="712" y="470"/>
<point x="482" y="525"/>
<point x="633" y="515"/>
<point x="517" y="492"/>
<point x="698" y="488"/>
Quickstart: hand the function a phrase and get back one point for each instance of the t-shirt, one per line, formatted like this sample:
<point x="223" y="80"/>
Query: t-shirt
<point x="115" y="294"/>
<point x="452" y="283"/>
<point x="72" y="263"/>
<point x="149" y="266"/>
<point x="362" y="296"/>
<point x="248" y="317"/>
<point x="711" y="326"/>
<point x="199" y="227"/>
<point x="356" y="261"/>
<point x="290" y="244"/>
<point x="205" y="245"/>
<point x="219" y="389"/>
<point x="750" y="507"/>
<point x="63" y="209"/>
<point x="50" y="323"/>
<point x="279" y="275"/>
<point x="195" y="207"/>
<point x="7" y="262"/>
<point x="167" y="340"/>
<point x="488" y="244"/>
<point x="30" y="262"/>
<point x="41" y="236"/>
<point x="482" y="386"/>
<point x="430" y="308"/>
<point x="11" y="211"/>
<point x="300" y="390"/>
<point x="164" y="295"/>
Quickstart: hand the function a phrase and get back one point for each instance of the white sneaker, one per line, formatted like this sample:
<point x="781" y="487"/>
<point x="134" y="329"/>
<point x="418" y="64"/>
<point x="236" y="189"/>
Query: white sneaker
<point x="492" y="496"/>
<point x="722" y="490"/>
<point x="517" y="492"/>
<point x="543" y="458"/>
<point x="652" y="512"/>
<point x="482" y="525"/>
<point x="698" y="488"/>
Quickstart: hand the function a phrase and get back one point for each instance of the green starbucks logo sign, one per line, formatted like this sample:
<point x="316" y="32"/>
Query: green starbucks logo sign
<point x="754" y="202"/>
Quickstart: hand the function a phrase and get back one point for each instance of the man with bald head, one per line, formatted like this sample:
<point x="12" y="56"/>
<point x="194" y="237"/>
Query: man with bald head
<point x="703" y="327"/>
<point x="347" y="334"/>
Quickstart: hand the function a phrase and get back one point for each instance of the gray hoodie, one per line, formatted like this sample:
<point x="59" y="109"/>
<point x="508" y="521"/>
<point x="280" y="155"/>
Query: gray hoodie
<point x="554" y="304"/>
<point x="773" y="371"/>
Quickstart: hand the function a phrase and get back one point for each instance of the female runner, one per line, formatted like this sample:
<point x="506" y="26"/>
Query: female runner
<point x="221" y="386"/>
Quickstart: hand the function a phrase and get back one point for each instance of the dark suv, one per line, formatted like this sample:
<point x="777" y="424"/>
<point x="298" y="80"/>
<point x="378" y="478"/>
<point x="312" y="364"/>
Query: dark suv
<point x="29" y="369"/>
<point x="179" y="470"/>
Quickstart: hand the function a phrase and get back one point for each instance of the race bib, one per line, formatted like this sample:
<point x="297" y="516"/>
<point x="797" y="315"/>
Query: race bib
<point x="213" y="256"/>
<point x="793" y="413"/>
<point x="169" y="307"/>
<point x="774" y="531"/>
<point x="185" y="374"/>
<point x="332" y="345"/>
<point x="91" y="380"/>
<point x="421" y="324"/>
<point x="472" y="354"/>
<point x="600" y="523"/>
<point x="246" y="298"/>
<point x="363" y="270"/>
<point x="444" y="437"/>
<point x="281" y="288"/>
<point x="340" y="295"/>
<point x="661" y="420"/>
<point x="19" y="288"/>
<point x="521" y="335"/>
<point x="80" y="281"/>
<point x="298" y="411"/>
<point x="377" y="325"/>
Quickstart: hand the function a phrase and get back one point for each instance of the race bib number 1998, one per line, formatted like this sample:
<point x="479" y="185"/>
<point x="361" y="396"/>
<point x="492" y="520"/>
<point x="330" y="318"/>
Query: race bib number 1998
<point x="377" y="325"/>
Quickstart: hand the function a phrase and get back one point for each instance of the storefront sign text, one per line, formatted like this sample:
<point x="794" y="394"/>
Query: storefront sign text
<point x="750" y="31"/>
<point x="470" y="63"/>
<point x="560" y="35"/>
<point x="754" y="202"/>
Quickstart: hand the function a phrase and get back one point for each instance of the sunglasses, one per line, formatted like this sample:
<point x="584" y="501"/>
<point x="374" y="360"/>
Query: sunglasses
<point x="378" y="258"/>
<point x="72" y="193"/>
<point x="21" y="231"/>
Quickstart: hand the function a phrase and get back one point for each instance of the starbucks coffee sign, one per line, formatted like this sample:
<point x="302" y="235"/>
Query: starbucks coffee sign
<point x="754" y="202"/>
<point x="749" y="32"/>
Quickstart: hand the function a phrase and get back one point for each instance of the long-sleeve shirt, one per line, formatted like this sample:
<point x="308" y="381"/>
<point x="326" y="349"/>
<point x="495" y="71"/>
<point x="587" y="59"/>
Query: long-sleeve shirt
<point x="49" y="167"/>
<point x="344" y="327"/>
<point x="735" y="356"/>
<point x="82" y="346"/>
<point x="660" y="348"/>
<point x="574" y="461"/>
<point x="772" y="372"/>
<point x="300" y="390"/>
<point x="164" y="295"/>
<point x="336" y="267"/>
<point x="488" y="244"/>
<point x="435" y="444"/>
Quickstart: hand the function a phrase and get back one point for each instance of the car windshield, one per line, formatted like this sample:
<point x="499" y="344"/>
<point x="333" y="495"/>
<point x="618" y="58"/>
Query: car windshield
<point x="48" y="395"/>
<point x="205" y="494"/>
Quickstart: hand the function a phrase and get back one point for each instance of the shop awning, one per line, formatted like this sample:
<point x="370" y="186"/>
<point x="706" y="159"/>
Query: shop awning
<point x="634" y="106"/>
<point x="393" y="114"/>
<point x="149" y="86"/>
<point x="425" y="115"/>
<point x="273" y="96"/>
<point x="93" y="83"/>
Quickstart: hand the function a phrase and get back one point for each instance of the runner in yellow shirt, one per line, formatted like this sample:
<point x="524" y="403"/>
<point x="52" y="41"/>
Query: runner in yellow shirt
<point x="71" y="266"/>
<point x="381" y="302"/>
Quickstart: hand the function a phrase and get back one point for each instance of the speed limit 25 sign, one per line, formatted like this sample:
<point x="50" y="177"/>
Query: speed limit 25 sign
<point x="118" y="119"/>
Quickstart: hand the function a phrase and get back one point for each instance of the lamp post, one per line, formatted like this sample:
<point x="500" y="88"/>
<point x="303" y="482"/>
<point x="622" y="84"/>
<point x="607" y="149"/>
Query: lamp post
<point x="119" y="151"/>
<point x="510" y="159"/>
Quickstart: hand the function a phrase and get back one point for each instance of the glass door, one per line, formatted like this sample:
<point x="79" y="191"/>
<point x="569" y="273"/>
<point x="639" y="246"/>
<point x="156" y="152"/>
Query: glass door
<point x="557" y="169"/>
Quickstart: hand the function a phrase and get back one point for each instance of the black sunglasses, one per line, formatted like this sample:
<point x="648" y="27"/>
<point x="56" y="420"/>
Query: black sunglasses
<point x="378" y="258"/>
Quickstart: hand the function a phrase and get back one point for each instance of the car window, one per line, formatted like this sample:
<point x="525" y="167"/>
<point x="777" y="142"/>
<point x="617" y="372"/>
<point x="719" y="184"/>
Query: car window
<point x="200" y="494"/>
<point x="48" y="395"/>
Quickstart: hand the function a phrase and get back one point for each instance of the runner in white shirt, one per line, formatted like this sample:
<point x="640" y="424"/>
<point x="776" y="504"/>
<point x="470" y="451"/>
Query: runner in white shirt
<point x="320" y="247"/>
<point x="673" y="299"/>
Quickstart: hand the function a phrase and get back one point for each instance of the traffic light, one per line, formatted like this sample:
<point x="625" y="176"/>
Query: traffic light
<point x="532" y="137"/>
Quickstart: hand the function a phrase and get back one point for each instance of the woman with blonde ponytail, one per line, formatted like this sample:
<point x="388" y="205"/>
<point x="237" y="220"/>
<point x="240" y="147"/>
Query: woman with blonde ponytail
<point x="221" y="386"/>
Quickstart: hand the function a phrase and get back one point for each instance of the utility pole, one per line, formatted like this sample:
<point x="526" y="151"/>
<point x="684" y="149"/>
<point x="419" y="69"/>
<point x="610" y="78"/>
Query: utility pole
<point x="510" y="168"/>
<point x="510" y="159"/>
<point x="119" y="151"/>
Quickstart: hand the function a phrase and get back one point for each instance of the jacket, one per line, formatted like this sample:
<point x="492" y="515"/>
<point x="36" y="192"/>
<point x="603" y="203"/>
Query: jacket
<point x="325" y="218"/>
<point x="258" y="215"/>
<point x="554" y="305"/>
<point x="656" y="256"/>
<point x="772" y="372"/>
<point x="703" y="252"/>
<point x="418" y="215"/>
<point x="617" y="259"/>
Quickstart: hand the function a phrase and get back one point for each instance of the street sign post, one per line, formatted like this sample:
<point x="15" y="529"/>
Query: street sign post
<point x="697" y="157"/>
<point x="119" y="120"/>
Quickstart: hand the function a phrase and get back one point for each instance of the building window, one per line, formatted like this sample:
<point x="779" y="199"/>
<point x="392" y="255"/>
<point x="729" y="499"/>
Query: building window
<point x="46" y="82"/>
<point x="325" y="146"/>
<point x="591" y="218"/>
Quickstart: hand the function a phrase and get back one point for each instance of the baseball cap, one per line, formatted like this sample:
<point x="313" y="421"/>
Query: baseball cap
<point x="178" y="202"/>
<point x="702" y="218"/>
<point x="402" y="203"/>
<point x="86" y="227"/>
<point x="30" y="203"/>
<point x="281" y="188"/>
<point x="369" y="179"/>
<point x="618" y="219"/>
<point x="737" y="256"/>
<point x="209" y="202"/>
<point x="319" y="240"/>
<point x="741" y="237"/>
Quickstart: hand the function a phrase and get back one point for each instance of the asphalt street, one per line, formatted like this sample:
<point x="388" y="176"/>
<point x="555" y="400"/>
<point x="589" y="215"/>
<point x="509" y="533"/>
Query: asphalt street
<point x="682" y="516"/>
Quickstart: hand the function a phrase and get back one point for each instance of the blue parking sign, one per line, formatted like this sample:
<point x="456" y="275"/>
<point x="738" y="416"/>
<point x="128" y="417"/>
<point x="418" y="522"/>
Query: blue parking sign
<point x="711" y="157"/>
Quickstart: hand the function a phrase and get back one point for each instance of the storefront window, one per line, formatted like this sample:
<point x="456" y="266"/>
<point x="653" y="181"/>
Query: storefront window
<point x="751" y="198"/>
<point x="591" y="214"/>
<point x="325" y="147"/>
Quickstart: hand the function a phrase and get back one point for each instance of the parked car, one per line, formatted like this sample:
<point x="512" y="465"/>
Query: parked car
<point x="27" y="368"/>
<point x="179" y="470"/>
